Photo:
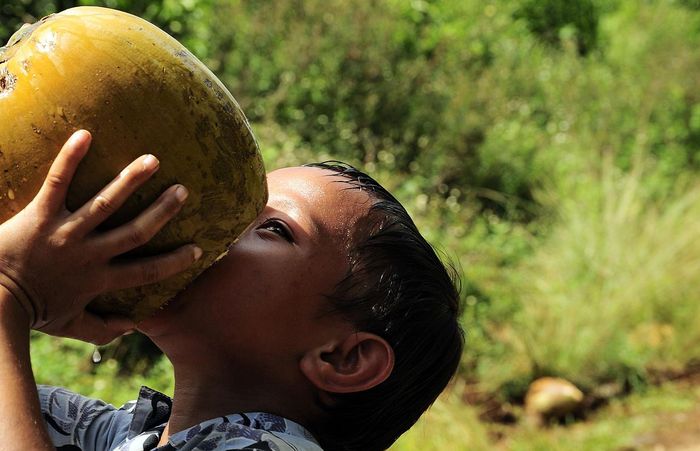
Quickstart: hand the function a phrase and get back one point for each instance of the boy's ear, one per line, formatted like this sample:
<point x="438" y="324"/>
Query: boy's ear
<point x="359" y="362"/>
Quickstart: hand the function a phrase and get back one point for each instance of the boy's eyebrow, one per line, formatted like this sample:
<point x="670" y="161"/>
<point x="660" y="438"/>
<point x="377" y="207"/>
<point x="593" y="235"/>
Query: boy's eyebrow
<point x="295" y="211"/>
<point x="316" y="227"/>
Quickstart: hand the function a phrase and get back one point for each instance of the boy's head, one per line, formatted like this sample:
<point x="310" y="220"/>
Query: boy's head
<point x="331" y="310"/>
<point x="397" y="288"/>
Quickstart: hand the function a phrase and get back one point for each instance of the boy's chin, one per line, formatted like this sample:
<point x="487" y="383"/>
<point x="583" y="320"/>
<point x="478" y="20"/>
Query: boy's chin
<point x="157" y="322"/>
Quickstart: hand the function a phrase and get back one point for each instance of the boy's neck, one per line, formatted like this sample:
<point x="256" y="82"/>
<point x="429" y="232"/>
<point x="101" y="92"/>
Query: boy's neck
<point x="203" y="393"/>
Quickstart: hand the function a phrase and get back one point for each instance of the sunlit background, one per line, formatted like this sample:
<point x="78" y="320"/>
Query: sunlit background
<point x="550" y="149"/>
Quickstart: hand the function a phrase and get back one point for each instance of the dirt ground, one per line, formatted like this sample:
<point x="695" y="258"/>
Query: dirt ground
<point x="681" y="432"/>
<point x="677" y="431"/>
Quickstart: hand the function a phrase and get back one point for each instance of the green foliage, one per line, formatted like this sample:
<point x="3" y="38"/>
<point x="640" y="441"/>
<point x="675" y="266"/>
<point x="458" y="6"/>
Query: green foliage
<point x="14" y="14"/>
<point x="181" y="19"/>
<point x="554" y="20"/>
<point x="389" y="85"/>
<point x="691" y="4"/>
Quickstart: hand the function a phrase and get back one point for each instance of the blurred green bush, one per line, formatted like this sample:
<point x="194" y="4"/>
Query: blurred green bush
<point x="554" y="20"/>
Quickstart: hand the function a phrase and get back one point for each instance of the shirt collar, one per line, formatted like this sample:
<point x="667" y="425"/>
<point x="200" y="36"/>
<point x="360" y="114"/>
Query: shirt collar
<point x="152" y="410"/>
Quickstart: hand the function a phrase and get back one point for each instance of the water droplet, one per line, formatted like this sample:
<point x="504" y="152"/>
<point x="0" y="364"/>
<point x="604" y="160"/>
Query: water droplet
<point x="96" y="356"/>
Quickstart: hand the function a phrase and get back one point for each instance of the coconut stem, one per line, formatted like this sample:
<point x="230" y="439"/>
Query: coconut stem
<point x="7" y="80"/>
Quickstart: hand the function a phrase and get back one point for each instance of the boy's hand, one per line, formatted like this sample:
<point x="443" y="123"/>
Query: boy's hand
<point x="54" y="261"/>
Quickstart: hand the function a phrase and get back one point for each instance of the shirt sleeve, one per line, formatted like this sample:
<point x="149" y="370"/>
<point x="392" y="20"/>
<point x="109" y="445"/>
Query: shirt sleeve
<point x="86" y="423"/>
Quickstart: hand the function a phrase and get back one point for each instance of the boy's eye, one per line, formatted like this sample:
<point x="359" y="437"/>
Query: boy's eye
<point x="278" y="227"/>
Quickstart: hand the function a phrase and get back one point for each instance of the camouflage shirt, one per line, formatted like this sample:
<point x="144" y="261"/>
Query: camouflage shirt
<point x="77" y="423"/>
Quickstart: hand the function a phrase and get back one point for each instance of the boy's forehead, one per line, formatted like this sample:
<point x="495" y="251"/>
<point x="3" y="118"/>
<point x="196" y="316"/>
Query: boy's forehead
<point x="307" y="182"/>
<point x="324" y="195"/>
<point x="314" y="185"/>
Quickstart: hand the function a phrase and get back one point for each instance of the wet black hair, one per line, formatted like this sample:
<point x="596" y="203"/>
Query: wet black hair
<point x="398" y="288"/>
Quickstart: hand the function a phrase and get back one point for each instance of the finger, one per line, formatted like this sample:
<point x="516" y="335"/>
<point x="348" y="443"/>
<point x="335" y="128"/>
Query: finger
<point x="113" y="196"/>
<point x="152" y="269"/>
<point x="98" y="330"/>
<point x="141" y="229"/>
<point x="52" y="195"/>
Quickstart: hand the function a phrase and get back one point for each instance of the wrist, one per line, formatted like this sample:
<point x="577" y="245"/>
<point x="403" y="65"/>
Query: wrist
<point x="11" y="309"/>
<point x="12" y="288"/>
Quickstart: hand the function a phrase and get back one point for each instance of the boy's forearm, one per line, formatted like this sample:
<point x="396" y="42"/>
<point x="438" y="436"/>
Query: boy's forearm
<point x="21" y="424"/>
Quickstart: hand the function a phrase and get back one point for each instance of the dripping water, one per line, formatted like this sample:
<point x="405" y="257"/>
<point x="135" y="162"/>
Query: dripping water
<point x="96" y="356"/>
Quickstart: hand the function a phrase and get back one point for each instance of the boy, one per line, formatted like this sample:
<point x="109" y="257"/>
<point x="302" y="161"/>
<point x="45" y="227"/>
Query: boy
<point x="331" y="324"/>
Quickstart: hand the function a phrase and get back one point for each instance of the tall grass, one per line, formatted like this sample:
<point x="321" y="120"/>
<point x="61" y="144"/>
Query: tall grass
<point x="448" y="425"/>
<point x="613" y="291"/>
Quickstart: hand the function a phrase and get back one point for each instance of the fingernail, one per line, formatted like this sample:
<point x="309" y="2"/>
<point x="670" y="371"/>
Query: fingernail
<point x="181" y="193"/>
<point x="150" y="162"/>
<point x="79" y="136"/>
<point x="197" y="252"/>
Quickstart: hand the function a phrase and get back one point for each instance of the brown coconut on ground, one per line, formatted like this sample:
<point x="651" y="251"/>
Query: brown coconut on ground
<point x="550" y="398"/>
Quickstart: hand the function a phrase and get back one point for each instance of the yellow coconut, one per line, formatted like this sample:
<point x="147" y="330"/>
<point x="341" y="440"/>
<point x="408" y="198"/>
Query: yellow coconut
<point x="138" y="91"/>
